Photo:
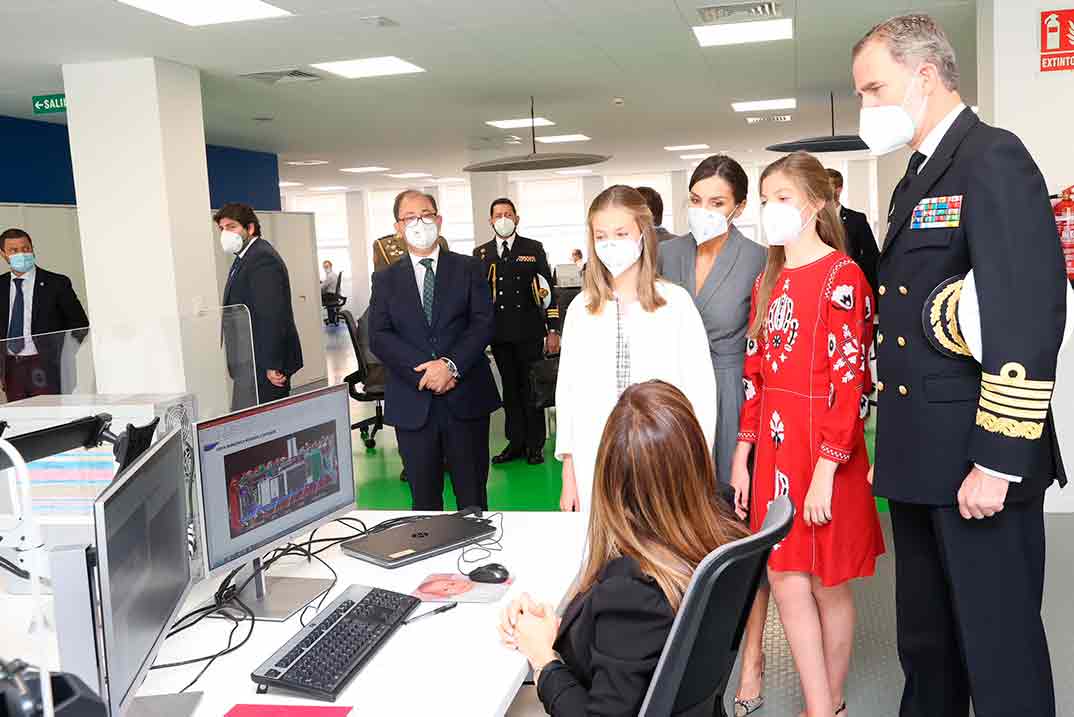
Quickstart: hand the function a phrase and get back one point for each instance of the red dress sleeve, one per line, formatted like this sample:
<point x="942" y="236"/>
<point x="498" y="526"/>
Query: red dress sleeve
<point x="848" y="312"/>
<point x="752" y="378"/>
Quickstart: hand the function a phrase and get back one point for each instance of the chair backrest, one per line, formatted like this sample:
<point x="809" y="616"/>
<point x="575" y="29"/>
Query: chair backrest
<point x="339" y="283"/>
<point x="700" y="650"/>
<point x="358" y="342"/>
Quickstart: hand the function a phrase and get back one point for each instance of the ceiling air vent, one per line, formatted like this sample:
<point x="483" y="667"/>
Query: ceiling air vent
<point x="740" y="11"/>
<point x="378" y="21"/>
<point x="781" y="118"/>
<point x="282" y="77"/>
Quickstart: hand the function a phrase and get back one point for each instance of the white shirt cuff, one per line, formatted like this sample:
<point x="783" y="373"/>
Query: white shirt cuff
<point x="997" y="474"/>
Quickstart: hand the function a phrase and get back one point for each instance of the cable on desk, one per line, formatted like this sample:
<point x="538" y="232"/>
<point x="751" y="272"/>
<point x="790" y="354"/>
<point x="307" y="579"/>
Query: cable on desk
<point x="486" y="547"/>
<point x="226" y="651"/>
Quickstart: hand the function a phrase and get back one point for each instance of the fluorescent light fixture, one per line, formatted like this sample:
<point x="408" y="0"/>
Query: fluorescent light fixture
<point x="685" y="147"/>
<point x="290" y="184"/>
<point x="702" y="155"/>
<point x="520" y="123"/>
<point x="560" y="138"/>
<point x="574" y="171"/>
<point x="204" y="12"/>
<point x="307" y="162"/>
<point x="788" y="103"/>
<point x="330" y="188"/>
<point x="364" y="170"/>
<point x="741" y="33"/>
<point x="449" y="180"/>
<point x="369" y="67"/>
<point x="410" y="175"/>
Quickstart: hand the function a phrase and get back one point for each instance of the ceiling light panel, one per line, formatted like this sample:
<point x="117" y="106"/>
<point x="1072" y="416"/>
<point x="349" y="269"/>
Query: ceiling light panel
<point x="702" y="155"/>
<point x="742" y="33"/>
<point x="788" y="103"/>
<point x="561" y="138"/>
<point x="364" y="170"/>
<point x="208" y="12"/>
<point x="307" y="162"/>
<point x="284" y="185"/>
<point x="520" y="123"/>
<point x="369" y="67"/>
<point x="570" y="172"/>
<point x="685" y="147"/>
<point x="410" y="175"/>
<point x="329" y="188"/>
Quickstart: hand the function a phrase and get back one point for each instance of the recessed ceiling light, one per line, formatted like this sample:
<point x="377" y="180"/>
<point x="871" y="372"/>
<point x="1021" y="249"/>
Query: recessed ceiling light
<point x="703" y="155"/>
<point x="307" y="162"/>
<point x="364" y="170"/>
<point x="740" y="33"/>
<point x="208" y="13"/>
<point x="754" y="120"/>
<point x="369" y="67"/>
<point x="560" y="138"/>
<point x="410" y="175"/>
<point x="329" y="188"/>
<point x="685" y="147"/>
<point x="788" y="103"/>
<point x="449" y="180"/>
<point x="520" y="123"/>
<point x="290" y="184"/>
<point x="575" y="171"/>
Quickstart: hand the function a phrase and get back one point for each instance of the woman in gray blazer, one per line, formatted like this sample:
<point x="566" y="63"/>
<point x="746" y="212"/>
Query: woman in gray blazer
<point x="717" y="264"/>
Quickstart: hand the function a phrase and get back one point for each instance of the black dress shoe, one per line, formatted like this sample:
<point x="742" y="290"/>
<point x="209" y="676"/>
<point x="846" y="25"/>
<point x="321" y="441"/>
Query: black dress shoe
<point x="535" y="458"/>
<point x="509" y="454"/>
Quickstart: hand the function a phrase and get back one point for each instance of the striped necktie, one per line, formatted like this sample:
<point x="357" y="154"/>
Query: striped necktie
<point x="16" y="328"/>
<point x="428" y="290"/>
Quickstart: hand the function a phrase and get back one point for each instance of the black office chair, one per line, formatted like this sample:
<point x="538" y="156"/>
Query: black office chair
<point x="370" y="374"/>
<point x="700" y="651"/>
<point x="333" y="301"/>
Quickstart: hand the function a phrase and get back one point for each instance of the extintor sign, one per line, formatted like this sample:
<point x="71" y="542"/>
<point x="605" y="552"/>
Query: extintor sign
<point x="1056" y="40"/>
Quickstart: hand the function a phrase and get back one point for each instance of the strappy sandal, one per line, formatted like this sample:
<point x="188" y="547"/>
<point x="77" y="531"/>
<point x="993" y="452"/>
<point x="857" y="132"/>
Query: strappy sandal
<point x="744" y="708"/>
<point x="842" y="708"/>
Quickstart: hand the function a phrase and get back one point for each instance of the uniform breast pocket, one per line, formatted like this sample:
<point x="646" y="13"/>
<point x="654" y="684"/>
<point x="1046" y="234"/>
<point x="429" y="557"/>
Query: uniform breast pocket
<point x="921" y="239"/>
<point x="952" y="389"/>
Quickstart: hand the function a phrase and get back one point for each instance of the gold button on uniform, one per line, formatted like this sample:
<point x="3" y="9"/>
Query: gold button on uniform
<point x="903" y="290"/>
<point x="903" y="390"/>
<point x="882" y="290"/>
<point x="880" y="338"/>
<point x="879" y="385"/>
<point x="902" y="341"/>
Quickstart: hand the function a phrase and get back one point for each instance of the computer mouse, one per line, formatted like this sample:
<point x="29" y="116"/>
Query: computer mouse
<point x="491" y="573"/>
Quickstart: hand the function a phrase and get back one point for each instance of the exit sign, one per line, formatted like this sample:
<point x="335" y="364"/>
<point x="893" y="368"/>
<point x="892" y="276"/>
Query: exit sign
<point x="1056" y="40"/>
<point x="50" y="104"/>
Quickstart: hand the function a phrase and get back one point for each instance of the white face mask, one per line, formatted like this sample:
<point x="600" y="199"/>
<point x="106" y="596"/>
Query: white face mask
<point x="231" y="242"/>
<point x="618" y="255"/>
<point x="783" y="223"/>
<point x="889" y="127"/>
<point x="505" y="227"/>
<point x="706" y="224"/>
<point x="422" y="235"/>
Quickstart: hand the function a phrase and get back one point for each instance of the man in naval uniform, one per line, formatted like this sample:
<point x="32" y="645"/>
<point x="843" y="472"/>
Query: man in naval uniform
<point x="964" y="451"/>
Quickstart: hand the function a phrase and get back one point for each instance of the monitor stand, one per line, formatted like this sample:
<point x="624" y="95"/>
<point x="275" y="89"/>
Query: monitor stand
<point x="177" y="705"/>
<point x="275" y="599"/>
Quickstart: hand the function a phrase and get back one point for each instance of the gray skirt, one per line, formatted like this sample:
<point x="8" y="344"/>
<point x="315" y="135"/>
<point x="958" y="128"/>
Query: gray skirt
<point x="729" y="399"/>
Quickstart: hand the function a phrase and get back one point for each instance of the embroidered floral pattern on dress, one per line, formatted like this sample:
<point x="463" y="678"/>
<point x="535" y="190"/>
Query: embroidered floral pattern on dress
<point x="749" y="389"/>
<point x="776" y="426"/>
<point x="843" y="297"/>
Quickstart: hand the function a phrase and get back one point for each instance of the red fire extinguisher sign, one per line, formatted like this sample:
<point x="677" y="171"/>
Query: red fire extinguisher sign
<point x="1056" y="40"/>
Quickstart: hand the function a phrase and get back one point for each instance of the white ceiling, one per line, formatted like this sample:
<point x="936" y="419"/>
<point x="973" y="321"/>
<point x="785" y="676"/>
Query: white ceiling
<point x="484" y="58"/>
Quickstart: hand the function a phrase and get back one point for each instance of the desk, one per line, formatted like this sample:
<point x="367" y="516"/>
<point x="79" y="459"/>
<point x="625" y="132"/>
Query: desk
<point x="447" y="665"/>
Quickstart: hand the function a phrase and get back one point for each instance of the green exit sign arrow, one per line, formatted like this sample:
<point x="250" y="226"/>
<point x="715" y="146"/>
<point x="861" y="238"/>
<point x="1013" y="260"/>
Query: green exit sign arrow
<point x="49" y="104"/>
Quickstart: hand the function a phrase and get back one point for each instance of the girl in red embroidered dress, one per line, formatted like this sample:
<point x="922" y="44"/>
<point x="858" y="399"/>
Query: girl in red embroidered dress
<point x="807" y="383"/>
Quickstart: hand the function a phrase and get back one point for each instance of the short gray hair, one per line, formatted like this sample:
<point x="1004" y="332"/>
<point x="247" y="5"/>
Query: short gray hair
<point x="913" y="39"/>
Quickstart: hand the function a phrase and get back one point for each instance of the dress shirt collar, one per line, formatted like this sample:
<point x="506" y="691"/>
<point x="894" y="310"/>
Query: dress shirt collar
<point x="510" y="243"/>
<point x="435" y="256"/>
<point x="28" y="277"/>
<point x="242" y="254"/>
<point x="932" y="139"/>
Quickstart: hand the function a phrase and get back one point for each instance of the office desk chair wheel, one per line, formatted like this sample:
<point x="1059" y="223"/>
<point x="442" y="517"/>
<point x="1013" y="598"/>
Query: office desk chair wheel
<point x="370" y="442"/>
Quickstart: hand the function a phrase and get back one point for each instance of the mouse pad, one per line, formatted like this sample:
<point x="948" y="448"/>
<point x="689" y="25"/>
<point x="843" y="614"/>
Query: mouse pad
<point x="452" y="587"/>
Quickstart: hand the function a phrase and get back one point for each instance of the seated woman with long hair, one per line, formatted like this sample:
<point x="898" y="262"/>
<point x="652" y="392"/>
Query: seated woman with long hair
<point x="655" y="516"/>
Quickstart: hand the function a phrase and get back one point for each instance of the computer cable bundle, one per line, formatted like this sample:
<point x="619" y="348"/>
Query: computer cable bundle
<point x="486" y="548"/>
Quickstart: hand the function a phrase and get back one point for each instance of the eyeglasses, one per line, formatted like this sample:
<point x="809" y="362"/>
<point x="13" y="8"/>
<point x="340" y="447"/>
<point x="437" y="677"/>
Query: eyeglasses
<point x="413" y="221"/>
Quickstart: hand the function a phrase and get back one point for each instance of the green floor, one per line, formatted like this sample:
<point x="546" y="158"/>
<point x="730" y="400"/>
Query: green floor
<point x="516" y="486"/>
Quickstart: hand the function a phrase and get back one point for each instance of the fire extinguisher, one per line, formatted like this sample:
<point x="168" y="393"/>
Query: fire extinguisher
<point x="1064" y="222"/>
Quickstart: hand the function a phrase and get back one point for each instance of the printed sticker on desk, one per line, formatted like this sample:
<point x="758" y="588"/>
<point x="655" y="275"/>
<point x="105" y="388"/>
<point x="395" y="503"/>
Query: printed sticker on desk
<point x="288" y="711"/>
<point x="937" y="213"/>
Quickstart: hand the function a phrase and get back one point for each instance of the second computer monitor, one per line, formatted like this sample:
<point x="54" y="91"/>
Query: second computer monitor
<point x="273" y="472"/>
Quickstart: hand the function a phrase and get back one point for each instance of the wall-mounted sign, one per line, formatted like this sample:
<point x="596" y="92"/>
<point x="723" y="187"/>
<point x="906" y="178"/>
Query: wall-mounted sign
<point x="1056" y="40"/>
<point x="49" y="104"/>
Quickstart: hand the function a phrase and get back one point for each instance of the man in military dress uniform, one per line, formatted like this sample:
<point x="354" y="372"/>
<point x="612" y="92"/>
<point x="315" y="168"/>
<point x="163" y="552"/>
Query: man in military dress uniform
<point x="965" y="451"/>
<point x="515" y="267"/>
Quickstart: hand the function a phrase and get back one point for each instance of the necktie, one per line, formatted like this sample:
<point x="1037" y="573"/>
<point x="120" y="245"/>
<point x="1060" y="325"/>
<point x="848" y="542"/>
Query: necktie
<point x="234" y="269"/>
<point x="503" y="253"/>
<point x="16" y="328"/>
<point x="428" y="289"/>
<point x="916" y="160"/>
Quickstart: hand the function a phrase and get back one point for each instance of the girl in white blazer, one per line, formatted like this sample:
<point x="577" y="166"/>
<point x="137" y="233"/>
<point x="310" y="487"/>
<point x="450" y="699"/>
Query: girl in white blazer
<point x="627" y="326"/>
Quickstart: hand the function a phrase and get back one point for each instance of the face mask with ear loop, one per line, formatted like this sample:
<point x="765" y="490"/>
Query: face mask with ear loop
<point x="889" y="127"/>
<point x="783" y="223"/>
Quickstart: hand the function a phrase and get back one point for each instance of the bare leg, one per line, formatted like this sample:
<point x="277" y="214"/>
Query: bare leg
<point x="801" y="623"/>
<point x="751" y="679"/>
<point x="837" y="616"/>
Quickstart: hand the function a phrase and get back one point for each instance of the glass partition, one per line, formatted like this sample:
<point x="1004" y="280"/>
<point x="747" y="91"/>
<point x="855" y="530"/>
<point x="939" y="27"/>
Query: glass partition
<point x="52" y="364"/>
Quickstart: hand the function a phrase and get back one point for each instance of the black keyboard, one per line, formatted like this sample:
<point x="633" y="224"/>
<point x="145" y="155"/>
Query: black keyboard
<point x="325" y="655"/>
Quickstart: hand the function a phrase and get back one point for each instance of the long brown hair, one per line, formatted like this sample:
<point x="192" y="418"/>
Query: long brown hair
<point x="810" y="176"/>
<point x="654" y="491"/>
<point x="598" y="280"/>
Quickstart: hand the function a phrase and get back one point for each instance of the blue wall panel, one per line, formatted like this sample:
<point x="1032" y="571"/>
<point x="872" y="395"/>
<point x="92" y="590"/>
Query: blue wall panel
<point x="238" y="175"/>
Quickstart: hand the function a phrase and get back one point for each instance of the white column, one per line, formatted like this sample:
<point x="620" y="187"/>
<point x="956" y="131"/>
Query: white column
<point x="1014" y="94"/>
<point x="486" y="187"/>
<point x="138" y="151"/>
<point x="360" y="245"/>
<point x="675" y="205"/>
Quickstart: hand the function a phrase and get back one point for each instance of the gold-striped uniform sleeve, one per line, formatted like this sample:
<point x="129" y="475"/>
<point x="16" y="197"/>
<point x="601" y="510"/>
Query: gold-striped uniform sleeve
<point x="1012" y="404"/>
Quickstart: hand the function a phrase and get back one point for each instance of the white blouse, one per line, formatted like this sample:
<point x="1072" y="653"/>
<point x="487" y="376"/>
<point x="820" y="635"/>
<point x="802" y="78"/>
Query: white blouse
<point x="669" y="344"/>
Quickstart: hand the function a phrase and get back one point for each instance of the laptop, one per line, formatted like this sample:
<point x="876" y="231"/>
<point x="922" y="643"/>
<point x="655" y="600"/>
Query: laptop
<point x="418" y="540"/>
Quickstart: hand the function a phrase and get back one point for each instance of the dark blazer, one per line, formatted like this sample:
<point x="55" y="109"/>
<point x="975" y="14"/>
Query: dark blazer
<point x="263" y="285"/>
<point x="861" y="245"/>
<point x="460" y="331"/>
<point x="515" y="289"/>
<point x="610" y="641"/>
<point x="56" y="308"/>
<point x="938" y="415"/>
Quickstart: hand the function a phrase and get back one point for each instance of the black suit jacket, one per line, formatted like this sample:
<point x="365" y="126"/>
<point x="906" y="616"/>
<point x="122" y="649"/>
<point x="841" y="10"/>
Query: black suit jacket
<point x="610" y="641"/>
<point x="461" y="328"/>
<point x="861" y="245"/>
<point x="56" y="308"/>
<point x="263" y="285"/>
<point x="515" y="289"/>
<point x="937" y="415"/>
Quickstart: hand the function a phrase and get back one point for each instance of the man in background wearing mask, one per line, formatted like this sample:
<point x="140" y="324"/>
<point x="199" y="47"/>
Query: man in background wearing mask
<point x="258" y="279"/>
<point x="520" y="281"/>
<point x="964" y="451"/>
<point x="35" y="302"/>
<point x="430" y="319"/>
<point x="861" y="245"/>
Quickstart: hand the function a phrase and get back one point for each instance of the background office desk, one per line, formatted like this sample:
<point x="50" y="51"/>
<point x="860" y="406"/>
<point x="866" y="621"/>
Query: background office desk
<point x="449" y="664"/>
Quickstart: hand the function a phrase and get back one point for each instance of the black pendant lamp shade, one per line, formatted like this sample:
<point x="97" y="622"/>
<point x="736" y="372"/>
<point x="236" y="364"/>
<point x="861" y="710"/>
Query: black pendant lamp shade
<point x="832" y="143"/>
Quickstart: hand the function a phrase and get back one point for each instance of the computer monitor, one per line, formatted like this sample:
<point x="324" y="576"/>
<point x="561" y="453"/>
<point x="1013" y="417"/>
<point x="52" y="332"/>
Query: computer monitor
<point x="143" y="571"/>
<point x="268" y="474"/>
